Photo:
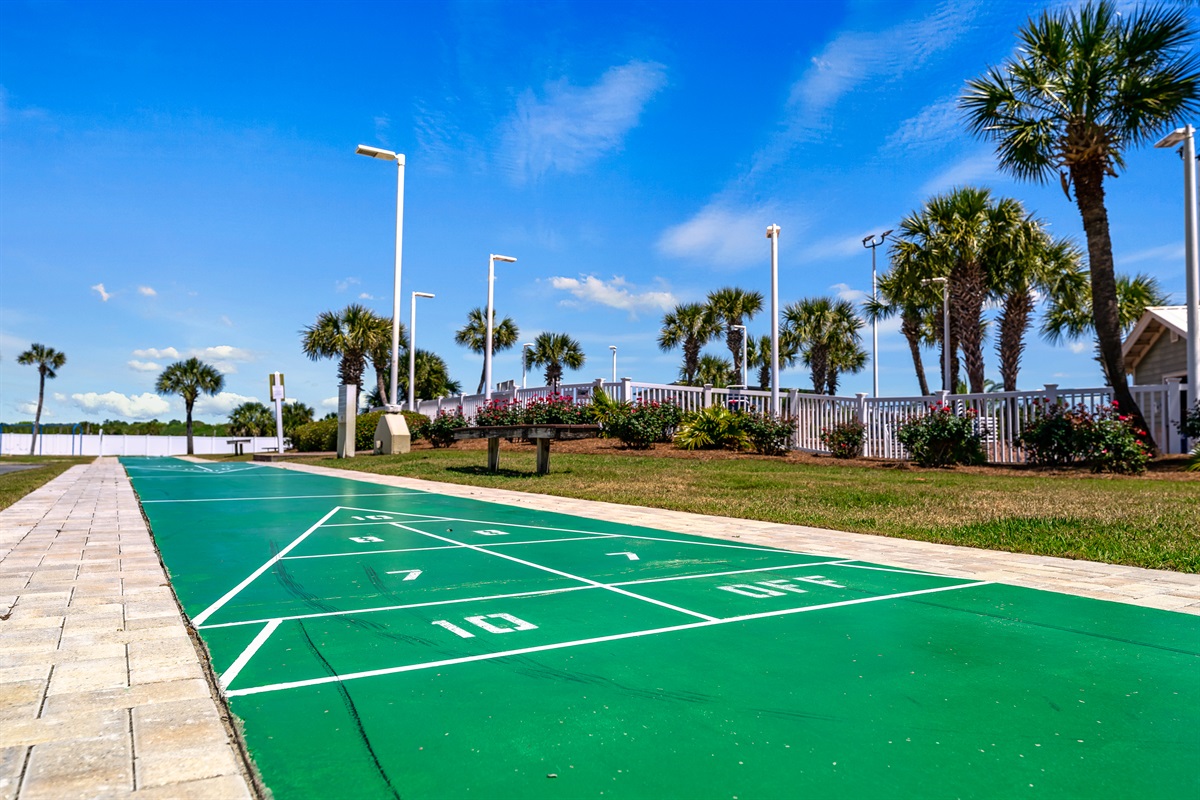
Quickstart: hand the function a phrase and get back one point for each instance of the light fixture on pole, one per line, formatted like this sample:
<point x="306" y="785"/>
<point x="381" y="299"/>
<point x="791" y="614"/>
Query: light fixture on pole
<point x="524" y="347"/>
<point x="745" y="336"/>
<point x="388" y="155"/>
<point x="945" y="282"/>
<point x="872" y="242"/>
<point x="1186" y="136"/>
<point x="412" y="349"/>
<point x="487" y="344"/>
<point x="773" y="235"/>
<point x="613" y="347"/>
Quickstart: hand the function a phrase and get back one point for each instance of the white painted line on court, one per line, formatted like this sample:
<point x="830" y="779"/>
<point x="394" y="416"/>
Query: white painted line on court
<point x="439" y="547"/>
<point x="900" y="571"/>
<point x="725" y="574"/>
<point x="294" y="497"/>
<point x="560" y="573"/>
<point x="418" y="518"/>
<point x="579" y="642"/>
<point x="198" y="620"/>
<point x="252" y="648"/>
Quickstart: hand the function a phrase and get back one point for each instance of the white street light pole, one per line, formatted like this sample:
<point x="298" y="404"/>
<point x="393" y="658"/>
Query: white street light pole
<point x="1186" y="136"/>
<point x="872" y="242"/>
<point x="945" y="282"/>
<point x="613" y="347"/>
<point x="773" y="235"/>
<point x="744" y="337"/>
<point x="412" y="348"/>
<point x="487" y="345"/>
<point x="524" y="347"/>
<point x="388" y="155"/>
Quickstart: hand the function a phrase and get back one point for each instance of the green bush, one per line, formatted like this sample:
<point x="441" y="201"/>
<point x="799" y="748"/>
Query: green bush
<point x="641" y="424"/>
<point x="942" y="438"/>
<point x="440" y="430"/>
<point x="316" y="437"/>
<point x="417" y="423"/>
<point x="1113" y="444"/>
<point x="1189" y="426"/>
<point x="711" y="428"/>
<point x="555" y="409"/>
<point x="768" y="434"/>
<point x="499" y="412"/>
<point x="364" y="431"/>
<point x="845" y="439"/>
<point x="1105" y="440"/>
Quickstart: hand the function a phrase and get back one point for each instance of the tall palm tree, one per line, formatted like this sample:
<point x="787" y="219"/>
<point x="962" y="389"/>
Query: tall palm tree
<point x="735" y="306"/>
<point x="758" y="356"/>
<point x="690" y="326"/>
<point x="920" y="322"/>
<point x="251" y="419"/>
<point x="554" y="351"/>
<point x="1069" y="315"/>
<point x="825" y="331"/>
<point x="473" y="335"/>
<point x="716" y="371"/>
<point x="49" y="361"/>
<point x="380" y="357"/>
<point x="1083" y="87"/>
<point x="189" y="379"/>
<point x="349" y="335"/>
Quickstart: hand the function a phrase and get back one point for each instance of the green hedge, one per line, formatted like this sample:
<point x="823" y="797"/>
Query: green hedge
<point x="316" y="437"/>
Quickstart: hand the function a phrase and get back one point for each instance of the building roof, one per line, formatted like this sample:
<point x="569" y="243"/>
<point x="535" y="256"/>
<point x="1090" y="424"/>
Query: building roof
<point x="1154" y="323"/>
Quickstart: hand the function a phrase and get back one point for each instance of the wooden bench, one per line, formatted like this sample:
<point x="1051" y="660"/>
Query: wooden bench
<point x="542" y="434"/>
<point x="238" y="444"/>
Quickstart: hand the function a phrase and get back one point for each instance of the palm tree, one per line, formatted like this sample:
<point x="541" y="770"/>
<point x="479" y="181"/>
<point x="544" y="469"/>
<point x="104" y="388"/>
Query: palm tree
<point x="432" y="377"/>
<point x="554" y="351"/>
<point x="473" y="335"/>
<point x="690" y="325"/>
<point x="825" y="331"/>
<point x="1083" y="87"/>
<point x="295" y="414"/>
<point x="380" y="356"/>
<point x="758" y="354"/>
<point x="189" y="379"/>
<point x="350" y="335"/>
<point x="1069" y="315"/>
<point x="920" y="322"/>
<point x="735" y="307"/>
<point x="49" y="361"/>
<point x="715" y="371"/>
<point x="251" y="419"/>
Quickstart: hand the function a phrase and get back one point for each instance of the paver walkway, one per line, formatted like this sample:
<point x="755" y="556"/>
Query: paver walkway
<point x="102" y="691"/>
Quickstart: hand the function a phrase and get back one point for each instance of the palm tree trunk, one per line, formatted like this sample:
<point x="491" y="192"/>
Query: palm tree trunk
<point x="820" y="367"/>
<point x="1014" y="321"/>
<point x="691" y="359"/>
<point x="966" y="311"/>
<point x="37" y="420"/>
<point x="910" y="327"/>
<point x="482" y="378"/>
<point x="188" y="404"/>
<point x="1089" y="197"/>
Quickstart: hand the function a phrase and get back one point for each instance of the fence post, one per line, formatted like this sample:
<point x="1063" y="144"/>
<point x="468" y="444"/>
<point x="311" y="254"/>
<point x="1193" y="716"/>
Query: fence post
<point x="1052" y="393"/>
<point x="626" y="390"/>
<point x="943" y="396"/>
<point x="599" y="387"/>
<point x="707" y="397"/>
<point x="861" y="415"/>
<point x="1174" y="417"/>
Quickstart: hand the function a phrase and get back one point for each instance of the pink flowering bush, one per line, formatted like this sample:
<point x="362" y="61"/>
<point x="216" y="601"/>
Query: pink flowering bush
<point x="943" y="438"/>
<point x="1106" y="440"/>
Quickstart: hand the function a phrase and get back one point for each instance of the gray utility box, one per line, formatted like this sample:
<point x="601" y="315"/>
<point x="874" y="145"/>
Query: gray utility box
<point x="391" y="435"/>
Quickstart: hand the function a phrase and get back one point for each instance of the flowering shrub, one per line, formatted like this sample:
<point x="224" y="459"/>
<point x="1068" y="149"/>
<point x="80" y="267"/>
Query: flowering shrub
<point x="1189" y="426"/>
<point x="555" y="409"/>
<point x="641" y="424"/>
<point x="499" y="412"/>
<point x="417" y="423"/>
<point x="845" y="439"/>
<point x="768" y="434"/>
<point x="942" y="438"/>
<point x="440" y="430"/>
<point x="1105" y="440"/>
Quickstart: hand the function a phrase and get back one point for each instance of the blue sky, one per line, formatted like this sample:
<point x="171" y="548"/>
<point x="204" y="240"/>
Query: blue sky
<point x="180" y="179"/>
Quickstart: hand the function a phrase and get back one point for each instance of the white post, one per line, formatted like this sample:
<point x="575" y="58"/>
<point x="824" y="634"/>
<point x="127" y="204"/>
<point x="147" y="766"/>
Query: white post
<point x="487" y="345"/>
<point x="873" y="242"/>
<point x="524" y="347"/>
<point x="626" y="390"/>
<point x="773" y="235"/>
<point x="1173" y="418"/>
<point x="396" y="289"/>
<point x="412" y="348"/>
<point x="1192" y="247"/>
<point x="946" y="336"/>
<point x="277" y="396"/>
<point x="612" y="347"/>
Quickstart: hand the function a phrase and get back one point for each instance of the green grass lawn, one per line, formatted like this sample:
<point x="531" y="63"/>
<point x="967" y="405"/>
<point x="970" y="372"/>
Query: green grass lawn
<point x="15" y="485"/>
<point x="1143" y="521"/>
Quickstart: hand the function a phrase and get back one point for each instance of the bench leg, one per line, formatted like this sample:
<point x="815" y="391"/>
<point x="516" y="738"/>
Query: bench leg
<point x="543" y="456"/>
<point x="493" y="455"/>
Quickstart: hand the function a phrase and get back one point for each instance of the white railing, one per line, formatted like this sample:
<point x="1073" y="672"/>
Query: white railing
<point x="66" y="444"/>
<point x="1000" y="414"/>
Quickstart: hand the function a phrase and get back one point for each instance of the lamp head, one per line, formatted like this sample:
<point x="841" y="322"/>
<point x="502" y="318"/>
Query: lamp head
<point x="509" y="259"/>
<point x="612" y="347"/>
<point x="375" y="152"/>
<point x="422" y="294"/>
<point x="1173" y="138"/>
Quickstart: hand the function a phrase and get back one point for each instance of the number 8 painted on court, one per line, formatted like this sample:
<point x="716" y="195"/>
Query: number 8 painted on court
<point x="482" y="623"/>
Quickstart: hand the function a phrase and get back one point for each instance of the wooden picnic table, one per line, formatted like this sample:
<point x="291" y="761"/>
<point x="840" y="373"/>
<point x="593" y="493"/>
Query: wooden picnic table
<point x="542" y="434"/>
<point x="238" y="444"/>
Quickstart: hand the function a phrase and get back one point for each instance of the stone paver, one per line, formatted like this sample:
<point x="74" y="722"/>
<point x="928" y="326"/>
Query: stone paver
<point x="102" y="691"/>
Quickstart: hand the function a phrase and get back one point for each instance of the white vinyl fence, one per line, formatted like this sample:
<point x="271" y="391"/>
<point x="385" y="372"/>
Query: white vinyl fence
<point x="16" y="443"/>
<point x="1000" y="415"/>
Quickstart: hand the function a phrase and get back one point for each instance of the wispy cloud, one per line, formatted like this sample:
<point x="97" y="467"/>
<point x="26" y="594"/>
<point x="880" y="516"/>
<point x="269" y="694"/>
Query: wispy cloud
<point x="589" y="290"/>
<point x="147" y="291"/>
<point x="930" y="128"/>
<point x="139" y="406"/>
<point x="978" y="167"/>
<point x="346" y="283"/>
<point x="154" y="352"/>
<point x="99" y="288"/>
<point x="1167" y="253"/>
<point x="143" y="366"/>
<point x="570" y="127"/>
<point x="720" y="235"/>
<point x="366" y="296"/>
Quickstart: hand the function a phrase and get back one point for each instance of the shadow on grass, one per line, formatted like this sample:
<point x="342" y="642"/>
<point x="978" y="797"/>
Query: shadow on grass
<point x="484" y="472"/>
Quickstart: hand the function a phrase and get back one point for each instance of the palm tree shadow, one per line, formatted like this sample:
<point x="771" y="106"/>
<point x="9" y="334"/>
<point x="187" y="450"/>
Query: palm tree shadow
<point x="484" y="471"/>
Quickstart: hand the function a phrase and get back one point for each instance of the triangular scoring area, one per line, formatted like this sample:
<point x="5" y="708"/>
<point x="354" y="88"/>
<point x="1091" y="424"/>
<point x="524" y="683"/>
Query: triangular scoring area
<point x="362" y="530"/>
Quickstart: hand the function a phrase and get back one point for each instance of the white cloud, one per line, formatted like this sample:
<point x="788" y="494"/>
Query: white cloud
<point x="331" y="403"/>
<point x="147" y="291"/>
<point x="1173" y="253"/>
<point x="931" y="127"/>
<point x="572" y="126"/>
<point x="224" y="357"/>
<point x="59" y="397"/>
<point x="30" y="409"/>
<point x="226" y="321"/>
<point x="154" y="352"/>
<point x="143" y="366"/>
<point x="142" y="406"/>
<point x="616" y="293"/>
<point x="1079" y="347"/>
<point x="366" y="296"/>
<point x="221" y="403"/>
<point x="720" y="236"/>
<point x="99" y="287"/>
<point x="844" y="291"/>
<point x="346" y="283"/>
<point x="971" y="169"/>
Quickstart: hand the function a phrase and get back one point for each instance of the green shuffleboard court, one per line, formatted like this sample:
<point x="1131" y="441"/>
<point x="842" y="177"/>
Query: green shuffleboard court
<point x="378" y="642"/>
